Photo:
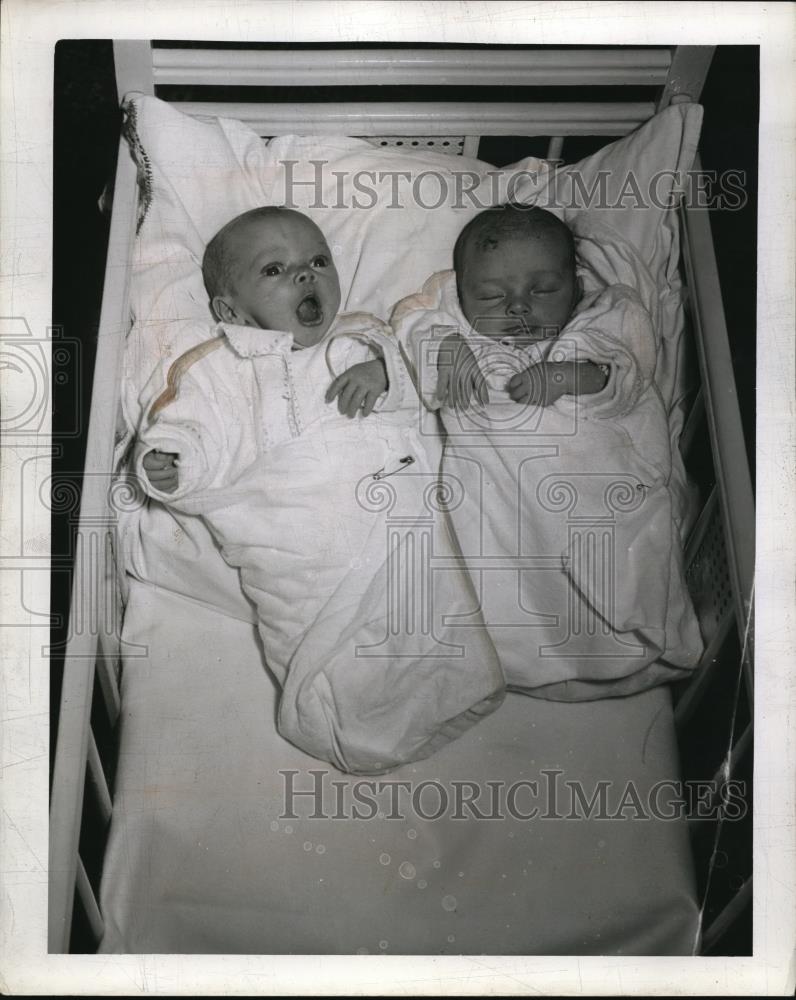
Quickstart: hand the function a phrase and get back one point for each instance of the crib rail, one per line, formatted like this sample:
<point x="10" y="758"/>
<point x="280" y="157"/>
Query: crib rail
<point x="714" y="712"/>
<point x="417" y="67"/>
<point x="81" y="800"/>
<point x="407" y="118"/>
<point x="721" y="406"/>
<point x="674" y="71"/>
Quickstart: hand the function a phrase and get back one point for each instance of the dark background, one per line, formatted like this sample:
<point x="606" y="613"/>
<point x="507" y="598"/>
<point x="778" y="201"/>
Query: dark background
<point x="86" y="131"/>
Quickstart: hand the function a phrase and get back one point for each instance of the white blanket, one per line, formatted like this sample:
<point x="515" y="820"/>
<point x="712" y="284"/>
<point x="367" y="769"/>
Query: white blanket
<point x="564" y="514"/>
<point x="333" y="524"/>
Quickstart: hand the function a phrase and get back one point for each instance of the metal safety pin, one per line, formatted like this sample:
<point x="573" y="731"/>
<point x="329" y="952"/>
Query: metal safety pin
<point x="404" y="462"/>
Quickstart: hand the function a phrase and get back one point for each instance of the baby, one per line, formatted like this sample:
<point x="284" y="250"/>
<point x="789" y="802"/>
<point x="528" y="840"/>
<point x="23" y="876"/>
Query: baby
<point x="552" y="415"/>
<point x="516" y="283"/>
<point x="297" y="495"/>
<point x="270" y="268"/>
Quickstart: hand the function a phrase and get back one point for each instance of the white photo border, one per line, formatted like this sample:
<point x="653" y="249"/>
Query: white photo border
<point x="30" y="29"/>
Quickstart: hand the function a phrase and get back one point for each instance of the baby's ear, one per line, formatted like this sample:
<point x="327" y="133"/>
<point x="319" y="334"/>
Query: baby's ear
<point x="222" y="310"/>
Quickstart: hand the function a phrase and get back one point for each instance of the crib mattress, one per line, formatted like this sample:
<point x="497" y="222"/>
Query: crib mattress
<point x="209" y="853"/>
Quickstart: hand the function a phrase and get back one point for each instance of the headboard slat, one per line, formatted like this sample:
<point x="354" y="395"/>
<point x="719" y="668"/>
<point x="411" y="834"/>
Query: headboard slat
<point x="443" y="118"/>
<point x="394" y="67"/>
<point x="687" y="74"/>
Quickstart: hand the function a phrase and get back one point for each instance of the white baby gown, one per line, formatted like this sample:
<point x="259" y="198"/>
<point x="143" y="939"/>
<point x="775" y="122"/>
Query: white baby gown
<point x="337" y="526"/>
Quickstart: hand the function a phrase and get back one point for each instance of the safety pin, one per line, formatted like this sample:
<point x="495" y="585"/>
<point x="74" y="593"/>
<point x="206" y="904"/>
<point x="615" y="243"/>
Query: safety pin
<point x="404" y="462"/>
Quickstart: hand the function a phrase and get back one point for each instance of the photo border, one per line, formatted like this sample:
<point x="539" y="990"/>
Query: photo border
<point x="30" y="29"/>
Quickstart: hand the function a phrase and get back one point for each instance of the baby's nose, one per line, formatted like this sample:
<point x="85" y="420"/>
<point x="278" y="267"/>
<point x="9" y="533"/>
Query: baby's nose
<point x="518" y="307"/>
<point x="304" y="273"/>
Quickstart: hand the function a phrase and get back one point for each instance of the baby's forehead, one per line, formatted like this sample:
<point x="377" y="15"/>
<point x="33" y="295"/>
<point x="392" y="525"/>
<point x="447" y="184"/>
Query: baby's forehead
<point x="279" y="226"/>
<point x="543" y="238"/>
<point x="514" y="257"/>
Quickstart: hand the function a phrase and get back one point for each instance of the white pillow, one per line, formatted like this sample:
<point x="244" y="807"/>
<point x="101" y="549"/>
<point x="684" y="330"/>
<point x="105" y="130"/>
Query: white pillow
<point x="391" y="215"/>
<point x="197" y="174"/>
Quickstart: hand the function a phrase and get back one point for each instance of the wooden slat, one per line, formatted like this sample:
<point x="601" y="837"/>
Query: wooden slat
<point x="69" y="768"/>
<point x="97" y="780"/>
<point x="709" y="801"/>
<point x="701" y="527"/>
<point x="109" y="685"/>
<point x="724" y="921"/>
<point x="724" y="418"/>
<point x="92" y="911"/>
<point x="741" y="747"/>
<point x="733" y="483"/>
<point x="695" y="416"/>
<point x="414" y="67"/>
<point x="133" y="65"/>
<point x="66" y="803"/>
<point x="687" y="73"/>
<point x="708" y="665"/>
<point x="443" y="118"/>
<point x="554" y="147"/>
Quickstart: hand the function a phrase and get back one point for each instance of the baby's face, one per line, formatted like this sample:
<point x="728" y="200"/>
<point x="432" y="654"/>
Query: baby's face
<point x="525" y="287"/>
<point x="283" y="277"/>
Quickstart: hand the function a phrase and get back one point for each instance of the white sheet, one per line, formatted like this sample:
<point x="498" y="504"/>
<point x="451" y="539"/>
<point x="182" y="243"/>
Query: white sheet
<point x="199" y="859"/>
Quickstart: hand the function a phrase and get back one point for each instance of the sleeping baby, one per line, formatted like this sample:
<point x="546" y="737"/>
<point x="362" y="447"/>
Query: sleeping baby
<point x="558" y="441"/>
<point x="325" y="516"/>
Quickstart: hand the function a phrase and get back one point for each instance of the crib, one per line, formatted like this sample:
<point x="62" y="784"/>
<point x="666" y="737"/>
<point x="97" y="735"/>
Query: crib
<point x="719" y="552"/>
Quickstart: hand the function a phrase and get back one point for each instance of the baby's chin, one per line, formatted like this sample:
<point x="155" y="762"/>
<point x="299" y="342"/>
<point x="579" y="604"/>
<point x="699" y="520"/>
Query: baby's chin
<point x="309" y="336"/>
<point x="514" y="332"/>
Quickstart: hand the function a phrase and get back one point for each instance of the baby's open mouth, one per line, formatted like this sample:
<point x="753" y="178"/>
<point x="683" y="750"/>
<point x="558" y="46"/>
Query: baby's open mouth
<point x="309" y="311"/>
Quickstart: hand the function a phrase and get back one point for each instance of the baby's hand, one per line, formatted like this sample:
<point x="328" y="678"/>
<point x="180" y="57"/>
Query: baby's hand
<point x="540" y="384"/>
<point x="161" y="470"/>
<point x="458" y="376"/>
<point x="544" y="383"/>
<point x="359" y="387"/>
